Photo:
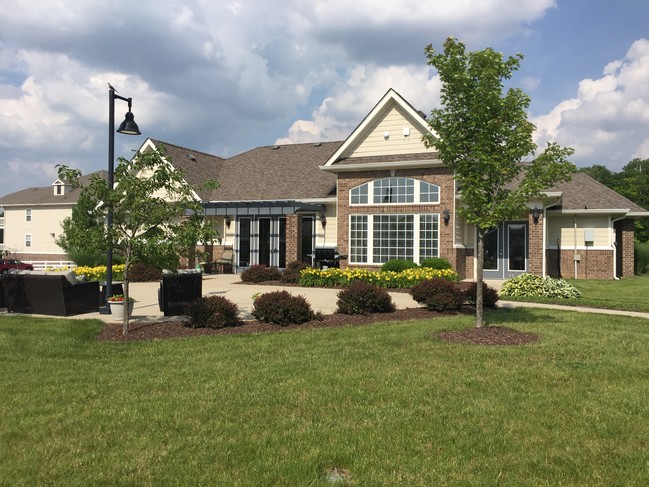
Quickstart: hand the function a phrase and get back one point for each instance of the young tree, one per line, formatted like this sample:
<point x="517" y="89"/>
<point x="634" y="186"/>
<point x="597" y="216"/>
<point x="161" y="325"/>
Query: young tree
<point x="483" y="134"/>
<point x="156" y="215"/>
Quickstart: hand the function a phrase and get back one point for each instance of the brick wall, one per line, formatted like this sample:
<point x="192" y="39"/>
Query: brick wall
<point x="293" y="238"/>
<point x="628" y="258"/>
<point x="443" y="177"/>
<point x="535" y="245"/>
<point x="593" y="264"/>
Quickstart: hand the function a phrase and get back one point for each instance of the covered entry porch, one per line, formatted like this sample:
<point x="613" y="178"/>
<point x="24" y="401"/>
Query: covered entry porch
<point x="271" y="233"/>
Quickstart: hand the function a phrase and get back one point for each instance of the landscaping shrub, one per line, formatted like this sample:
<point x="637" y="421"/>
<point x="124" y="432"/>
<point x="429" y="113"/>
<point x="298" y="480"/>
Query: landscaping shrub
<point x="261" y="273"/>
<point x="139" y="272"/>
<point x="213" y="312"/>
<point x="436" y="263"/>
<point x="398" y="265"/>
<point x="529" y="285"/>
<point x="438" y="294"/>
<point x="641" y="254"/>
<point x="489" y="294"/>
<point x="282" y="308"/>
<point x="292" y="272"/>
<point x="361" y="298"/>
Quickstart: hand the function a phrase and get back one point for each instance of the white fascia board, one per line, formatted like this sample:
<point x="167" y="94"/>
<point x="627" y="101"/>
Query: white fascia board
<point x="375" y="166"/>
<point x="638" y="214"/>
<point x="615" y="211"/>
<point x="318" y="200"/>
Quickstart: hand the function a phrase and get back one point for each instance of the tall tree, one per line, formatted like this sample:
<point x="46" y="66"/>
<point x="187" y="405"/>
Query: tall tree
<point x="483" y="134"/>
<point x="156" y="215"/>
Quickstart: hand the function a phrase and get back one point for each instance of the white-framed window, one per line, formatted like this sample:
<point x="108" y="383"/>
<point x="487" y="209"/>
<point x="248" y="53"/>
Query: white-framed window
<point x="388" y="191"/>
<point x="376" y="239"/>
<point x="28" y="240"/>
<point x="28" y="214"/>
<point x="58" y="189"/>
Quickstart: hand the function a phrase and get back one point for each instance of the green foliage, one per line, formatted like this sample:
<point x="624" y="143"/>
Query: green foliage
<point x="489" y="295"/>
<point x="212" y="312"/>
<point x="641" y="254"/>
<point x="292" y="272"/>
<point x="438" y="294"/>
<point x="282" y="308"/>
<point x="529" y="285"/>
<point x="436" y="263"/>
<point x="261" y="273"/>
<point x="398" y="265"/>
<point x="155" y="215"/>
<point x="360" y="298"/>
<point x="343" y="277"/>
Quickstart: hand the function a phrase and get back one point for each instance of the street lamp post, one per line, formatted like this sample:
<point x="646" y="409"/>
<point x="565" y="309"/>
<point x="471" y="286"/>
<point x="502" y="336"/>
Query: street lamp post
<point x="127" y="127"/>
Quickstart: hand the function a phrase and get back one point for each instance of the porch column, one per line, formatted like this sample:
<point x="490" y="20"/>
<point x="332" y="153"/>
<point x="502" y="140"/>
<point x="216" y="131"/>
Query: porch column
<point x="293" y="238"/>
<point x="535" y="245"/>
<point x="628" y="235"/>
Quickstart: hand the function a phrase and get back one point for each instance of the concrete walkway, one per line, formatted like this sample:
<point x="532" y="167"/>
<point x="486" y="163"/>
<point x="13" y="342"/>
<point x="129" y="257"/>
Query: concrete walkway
<point x="322" y="299"/>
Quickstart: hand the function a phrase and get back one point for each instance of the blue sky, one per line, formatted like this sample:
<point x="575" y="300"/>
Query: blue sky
<point x="224" y="77"/>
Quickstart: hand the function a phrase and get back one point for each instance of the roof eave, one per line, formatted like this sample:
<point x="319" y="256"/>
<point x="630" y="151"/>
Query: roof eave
<point x="373" y="166"/>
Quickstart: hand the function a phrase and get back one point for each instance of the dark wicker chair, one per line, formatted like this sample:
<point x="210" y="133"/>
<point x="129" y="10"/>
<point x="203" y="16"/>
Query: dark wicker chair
<point x="177" y="291"/>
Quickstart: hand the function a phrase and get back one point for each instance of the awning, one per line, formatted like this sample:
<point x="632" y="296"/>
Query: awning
<point x="248" y="208"/>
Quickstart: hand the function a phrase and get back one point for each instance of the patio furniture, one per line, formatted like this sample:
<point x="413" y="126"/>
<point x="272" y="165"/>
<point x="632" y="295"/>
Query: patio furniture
<point x="177" y="291"/>
<point x="49" y="294"/>
<point x="225" y="263"/>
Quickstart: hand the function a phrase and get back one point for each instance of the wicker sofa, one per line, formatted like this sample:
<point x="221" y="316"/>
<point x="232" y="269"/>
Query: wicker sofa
<point x="49" y="294"/>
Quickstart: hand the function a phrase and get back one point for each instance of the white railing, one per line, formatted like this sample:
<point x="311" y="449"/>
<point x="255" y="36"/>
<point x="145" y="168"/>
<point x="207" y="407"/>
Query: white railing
<point x="41" y="265"/>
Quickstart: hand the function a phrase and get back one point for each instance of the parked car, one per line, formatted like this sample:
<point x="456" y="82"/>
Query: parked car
<point x="7" y="264"/>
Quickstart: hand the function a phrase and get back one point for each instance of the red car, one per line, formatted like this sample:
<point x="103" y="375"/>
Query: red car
<point x="6" y="264"/>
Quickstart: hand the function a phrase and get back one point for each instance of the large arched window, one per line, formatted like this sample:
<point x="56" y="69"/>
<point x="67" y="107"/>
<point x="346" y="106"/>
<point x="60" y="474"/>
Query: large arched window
<point x="389" y="191"/>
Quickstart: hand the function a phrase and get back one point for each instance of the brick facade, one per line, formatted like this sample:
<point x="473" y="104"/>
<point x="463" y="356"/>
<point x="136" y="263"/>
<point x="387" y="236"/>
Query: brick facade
<point x="535" y="245"/>
<point x="293" y="238"/>
<point x="628" y="256"/>
<point x="441" y="176"/>
<point x="592" y="264"/>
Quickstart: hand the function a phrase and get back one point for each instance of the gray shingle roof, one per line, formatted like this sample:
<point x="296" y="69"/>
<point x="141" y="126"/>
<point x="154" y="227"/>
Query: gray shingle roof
<point x="45" y="195"/>
<point x="285" y="172"/>
<point x="419" y="156"/>
<point x="584" y="192"/>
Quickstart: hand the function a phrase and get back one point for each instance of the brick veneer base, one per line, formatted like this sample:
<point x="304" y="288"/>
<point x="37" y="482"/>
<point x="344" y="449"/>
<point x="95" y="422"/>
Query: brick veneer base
<point x="593" y="264"/>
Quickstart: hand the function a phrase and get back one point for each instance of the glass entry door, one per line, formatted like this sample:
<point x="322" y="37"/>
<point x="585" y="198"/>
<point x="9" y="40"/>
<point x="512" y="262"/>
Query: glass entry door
<point x="261" y="240"/>
<point x="506" y="251"/>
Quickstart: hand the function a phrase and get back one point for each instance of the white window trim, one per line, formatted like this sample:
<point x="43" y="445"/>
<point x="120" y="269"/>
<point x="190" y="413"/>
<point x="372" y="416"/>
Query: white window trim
<point x="28" y="214"/>
<point x="370" y="229"/>
<point x="28" y="240"/>
<point x="416" y="200"/>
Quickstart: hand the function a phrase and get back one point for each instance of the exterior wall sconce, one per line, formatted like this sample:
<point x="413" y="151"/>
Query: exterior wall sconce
<point x="536" y="213"/>
<point x="323" y="220"/>
<point x="446" y="215"/>
<point x="227" y="221"/>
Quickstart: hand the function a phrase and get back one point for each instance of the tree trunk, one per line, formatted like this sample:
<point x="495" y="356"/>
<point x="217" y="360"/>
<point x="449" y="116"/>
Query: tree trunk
<point x="127" y="263"/>
<point x="479" y="301"/>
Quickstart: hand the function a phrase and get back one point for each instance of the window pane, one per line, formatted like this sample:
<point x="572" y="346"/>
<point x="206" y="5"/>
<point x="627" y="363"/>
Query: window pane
<point x="391" y="232"/>
<point x="359" y="194"/>
<point x="428" y="193"/>
<point x="358" y="239"/>
<point x="394" y="190"/>
<point x="428" y="236"/>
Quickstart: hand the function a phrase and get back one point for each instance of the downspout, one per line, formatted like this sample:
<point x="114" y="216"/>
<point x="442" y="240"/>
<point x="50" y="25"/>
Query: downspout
<point x="615" y="249"/>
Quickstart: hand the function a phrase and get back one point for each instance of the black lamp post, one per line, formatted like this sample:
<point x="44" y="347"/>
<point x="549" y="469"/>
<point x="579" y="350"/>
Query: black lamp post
<point x="127" y="127"/>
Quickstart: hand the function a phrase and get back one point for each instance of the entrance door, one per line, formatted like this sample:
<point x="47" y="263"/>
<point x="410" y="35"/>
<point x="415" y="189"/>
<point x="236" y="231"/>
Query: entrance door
<point x="261" y="240"/>
<point x="506" y="251"/>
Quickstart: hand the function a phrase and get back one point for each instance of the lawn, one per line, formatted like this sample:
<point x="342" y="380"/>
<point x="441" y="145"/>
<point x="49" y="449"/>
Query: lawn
<point x="387" y="403"/>
<point x="628" y="294"/>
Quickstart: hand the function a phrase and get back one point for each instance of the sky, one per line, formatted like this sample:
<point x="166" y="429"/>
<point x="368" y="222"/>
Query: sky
<point x="223" y="76"/>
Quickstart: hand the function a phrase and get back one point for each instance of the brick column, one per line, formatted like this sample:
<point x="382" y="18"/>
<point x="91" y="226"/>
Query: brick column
<point x="535" y="245"/>
<point x="628" y="257"/>
<point x="293" y="238"/>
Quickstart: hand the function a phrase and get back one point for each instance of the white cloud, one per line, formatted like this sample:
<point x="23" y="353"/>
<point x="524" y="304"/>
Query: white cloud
<point x="608" y="121"/>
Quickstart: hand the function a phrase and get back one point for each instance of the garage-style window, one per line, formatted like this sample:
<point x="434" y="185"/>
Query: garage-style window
<point x="389" y="191"/>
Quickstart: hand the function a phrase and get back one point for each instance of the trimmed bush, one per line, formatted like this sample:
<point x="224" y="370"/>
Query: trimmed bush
<point x="529" y="285"/>
<point x="361" y="298"/>
<point x="261" y="273"/>
<point x="139" y="272"/>
<point x="438" y="294"/>
<point x="489" y="295"/>
<point x="292" y="272"/>
<point x="436" y="263"/>
<point x="282" y="308"/>
<point x="213" y="312"/>
<point x="398" y="265"/>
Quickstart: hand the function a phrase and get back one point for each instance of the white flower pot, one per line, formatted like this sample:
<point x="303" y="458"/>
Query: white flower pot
<point x="117" y="309"/>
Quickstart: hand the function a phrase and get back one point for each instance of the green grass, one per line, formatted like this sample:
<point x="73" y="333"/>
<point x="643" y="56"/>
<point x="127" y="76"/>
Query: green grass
<point x="628" y="294"/>
<point x="389" y="402"/>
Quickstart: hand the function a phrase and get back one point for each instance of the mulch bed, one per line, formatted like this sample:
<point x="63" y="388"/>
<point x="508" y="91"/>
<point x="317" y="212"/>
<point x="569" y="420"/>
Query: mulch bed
<point x="175" y="328"/>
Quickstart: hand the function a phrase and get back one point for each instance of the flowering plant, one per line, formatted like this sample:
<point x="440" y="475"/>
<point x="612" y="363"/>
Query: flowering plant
<point x="118" y="298"/>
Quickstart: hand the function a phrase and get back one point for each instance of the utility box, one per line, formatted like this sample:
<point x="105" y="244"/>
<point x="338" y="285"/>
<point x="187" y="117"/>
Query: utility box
<point x="589" y="236"/>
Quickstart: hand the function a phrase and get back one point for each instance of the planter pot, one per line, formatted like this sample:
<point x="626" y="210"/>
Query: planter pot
<point x="117" y="309"/>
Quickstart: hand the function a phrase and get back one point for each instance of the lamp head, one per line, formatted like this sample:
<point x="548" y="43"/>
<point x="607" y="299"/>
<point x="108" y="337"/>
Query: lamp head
<point x="128" y="126"/>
